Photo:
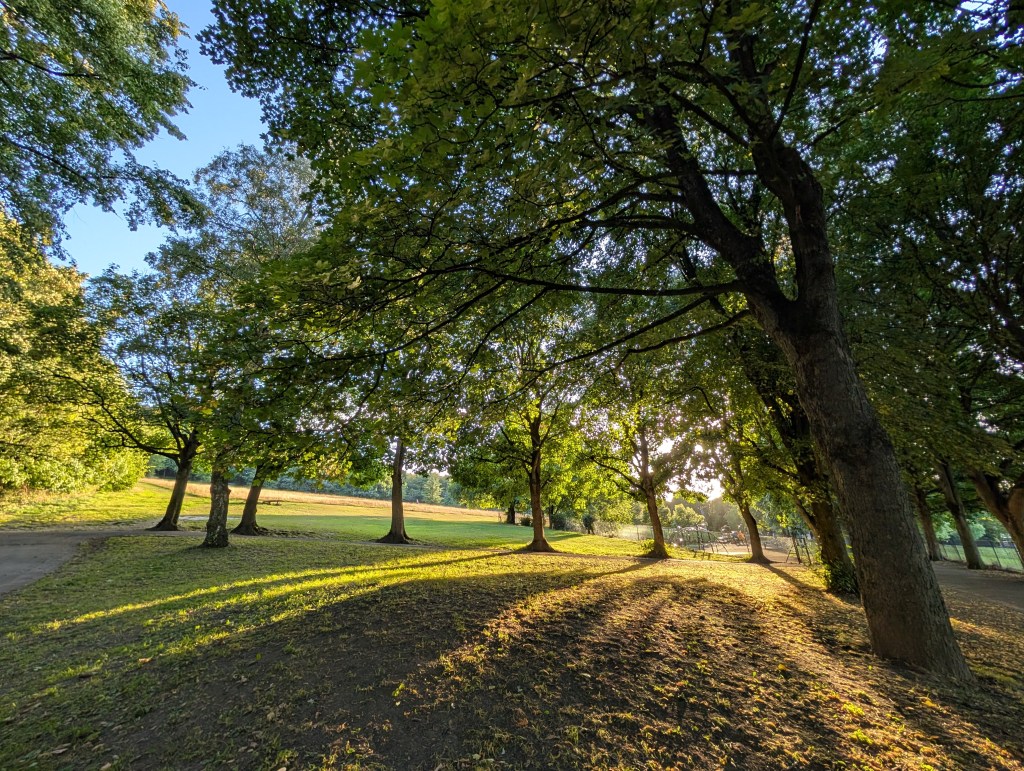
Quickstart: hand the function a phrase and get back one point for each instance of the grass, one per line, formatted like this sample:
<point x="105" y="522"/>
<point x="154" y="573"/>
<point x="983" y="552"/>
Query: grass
<point x="149" y="652"/>
<point x="1002" y="557"/>
<point x="143" y="505"/>
<point x="309" y="514"/>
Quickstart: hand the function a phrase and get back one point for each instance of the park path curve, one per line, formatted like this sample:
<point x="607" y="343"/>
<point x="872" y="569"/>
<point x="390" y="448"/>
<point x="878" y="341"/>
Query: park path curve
<point x="28" y="555"/>
<point x="993" y="585"/>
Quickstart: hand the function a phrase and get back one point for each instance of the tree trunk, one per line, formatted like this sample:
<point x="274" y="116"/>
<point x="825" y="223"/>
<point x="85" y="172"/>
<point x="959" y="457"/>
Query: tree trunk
<point x="247" y="525"/>
<point x="397" y="532"/>
<point x="907" y="617"/>
<point x="173" y="511"/>
<point x="510" y="515"/>
<point x="539" y="542"/>
<point x="1007" y="508"/>
<point x="756" y="552"/>
<point x="821" y="518"/>
<point x="794" y="429"/>
<point x="660" y="551"/>
<point x="217" y="524"/>
<point x="955" y="504"/>
<point x="924" y="516"/>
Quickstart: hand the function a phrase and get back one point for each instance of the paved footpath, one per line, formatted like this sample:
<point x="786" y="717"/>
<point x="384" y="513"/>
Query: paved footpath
<point x="993" y="585"/>
<point x="27" y="555"/>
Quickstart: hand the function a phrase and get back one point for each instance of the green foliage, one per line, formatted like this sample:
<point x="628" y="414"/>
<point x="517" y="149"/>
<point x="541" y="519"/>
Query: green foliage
<point x="83" y="86"/>
<point x="842" y="582"/>
<point x="432" y="488"/>
<point x="48" y="347"/>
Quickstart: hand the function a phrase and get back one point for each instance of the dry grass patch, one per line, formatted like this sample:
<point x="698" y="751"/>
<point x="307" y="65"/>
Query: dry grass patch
<point x="271" y="498"/>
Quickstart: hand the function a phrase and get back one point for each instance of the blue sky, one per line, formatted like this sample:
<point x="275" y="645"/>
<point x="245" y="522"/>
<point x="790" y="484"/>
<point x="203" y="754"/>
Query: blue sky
<point x="218" y="119"/>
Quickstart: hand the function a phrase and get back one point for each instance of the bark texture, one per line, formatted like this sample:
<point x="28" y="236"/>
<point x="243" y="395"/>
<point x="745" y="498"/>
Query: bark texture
<point x="756" y="550"/>
<point x="247" y="525"/>
<point x="173" y="511"/>
<point x="650" y="493"/>
<point x="823" y="520"/>
<point x="763" y="364"/>
<point x="924" y="516"/>
<point x="907" y="617"/>
<point x="217" y="524"/>
<point x="955" y="504"/>
<point x="539" y="542"/>
<point x="1007" y="507"/>
<point x="397" y="532"/>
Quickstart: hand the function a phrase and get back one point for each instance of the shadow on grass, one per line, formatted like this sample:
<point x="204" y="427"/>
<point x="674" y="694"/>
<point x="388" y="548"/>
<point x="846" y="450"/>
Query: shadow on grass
<point x="545" y="664"/>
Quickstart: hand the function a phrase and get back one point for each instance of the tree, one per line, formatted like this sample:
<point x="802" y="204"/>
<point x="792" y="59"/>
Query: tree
<point x="48" y="347"/>
<point x="637" y="434"/>
<point x="258" y="210"/>
<point x="156" y="335"/>
<point x="432" y="490"/>
<point x="794" y="456"/>
<point x="695" y="139"/>
<point x="83" y="87"/>
<point x="924" y="514"/>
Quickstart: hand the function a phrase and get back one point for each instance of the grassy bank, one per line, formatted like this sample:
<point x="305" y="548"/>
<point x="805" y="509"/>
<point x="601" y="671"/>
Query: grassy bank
<point x="287" y="653"/>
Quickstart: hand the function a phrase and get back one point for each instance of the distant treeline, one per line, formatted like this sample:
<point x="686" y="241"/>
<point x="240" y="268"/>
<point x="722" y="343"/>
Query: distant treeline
<point x="416" y="488"/>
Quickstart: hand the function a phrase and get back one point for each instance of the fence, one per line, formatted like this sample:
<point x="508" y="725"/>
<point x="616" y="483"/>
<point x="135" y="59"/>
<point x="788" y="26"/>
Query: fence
<point x="994" y="554"/>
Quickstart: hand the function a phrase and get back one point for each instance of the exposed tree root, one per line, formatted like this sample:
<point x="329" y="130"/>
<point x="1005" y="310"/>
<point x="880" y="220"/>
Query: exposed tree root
<point x="250" y="530"/>
<point x="397" y="538"/>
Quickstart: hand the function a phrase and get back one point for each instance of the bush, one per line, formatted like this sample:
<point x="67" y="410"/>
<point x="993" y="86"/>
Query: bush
<point x="526" y="520"/>
<point x="560" y="520"/>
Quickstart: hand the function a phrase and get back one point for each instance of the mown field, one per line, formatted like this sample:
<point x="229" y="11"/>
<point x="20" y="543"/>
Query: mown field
<point x="309" y="652"/>
<point x="293" y="514"/>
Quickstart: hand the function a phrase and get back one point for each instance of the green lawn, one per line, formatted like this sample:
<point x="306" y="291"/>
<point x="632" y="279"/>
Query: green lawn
<point x="992" y="556"/>
<point x="142" y="505"/>
<point x="149" y="652"/>
<point x="293" y="514"/>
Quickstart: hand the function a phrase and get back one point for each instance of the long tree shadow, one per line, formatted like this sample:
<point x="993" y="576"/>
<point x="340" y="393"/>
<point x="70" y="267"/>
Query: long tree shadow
<point x="548" y="664"/>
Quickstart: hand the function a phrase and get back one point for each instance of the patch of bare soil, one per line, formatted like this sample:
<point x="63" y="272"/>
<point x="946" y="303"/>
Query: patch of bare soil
<point x="631" y="666"/>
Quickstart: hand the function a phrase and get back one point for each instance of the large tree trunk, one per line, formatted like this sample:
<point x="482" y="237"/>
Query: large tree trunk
<point x="955" y="504"/>
<point x="510" y="515"/>
<point x="217" y="524"/>
<point x="173" y="511"/>
<point x="539" y="542"/>
<point x="907" y="617"/>
<point x="659" y="550"/>
<point x="397" y="532"/>
<point x="1007" y="508"/>
<point x="762" y="362"/>
<point x="756" y="551"/>
<point x="247" y="525"/>
<point x="924" y="516"/>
